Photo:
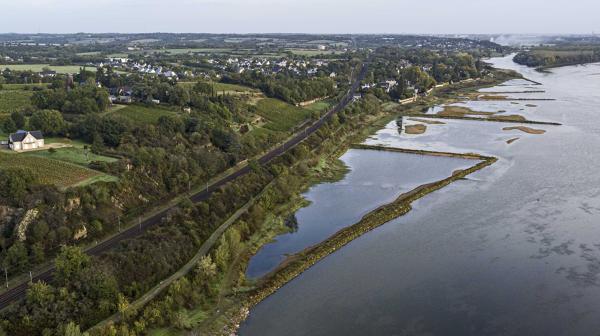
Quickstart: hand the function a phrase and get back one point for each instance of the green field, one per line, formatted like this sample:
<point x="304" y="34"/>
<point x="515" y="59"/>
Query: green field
<point x="39" y="67"/>
<point x="73" y="142"/>
<point x="24" y="86"/>
<point x="314" y="52"/>
<point x="48" y="171"/>
<point x="73" y="155"/>
<point x="281" y="116"/>
<point x="14" y="100"/>
<point x="320" y="106"/>
<point x="89" y="53"/>
<point x="191" y="50"/>
<point x="142" y="115"/>
<point x="220" y="87"/>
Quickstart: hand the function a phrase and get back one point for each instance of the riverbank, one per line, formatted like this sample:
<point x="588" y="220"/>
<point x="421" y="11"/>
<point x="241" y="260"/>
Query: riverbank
<point x="222" y="314"/>
<point x="298" y="263"/>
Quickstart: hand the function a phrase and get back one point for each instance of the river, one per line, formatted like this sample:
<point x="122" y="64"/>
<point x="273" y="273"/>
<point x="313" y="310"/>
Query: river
<point x="512" y="250"/>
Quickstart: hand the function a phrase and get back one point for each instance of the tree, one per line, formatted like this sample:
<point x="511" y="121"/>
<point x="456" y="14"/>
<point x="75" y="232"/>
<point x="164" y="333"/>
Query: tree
<point x="72" y="329"/>
<point x="19" y="119"/>
<point x="14" y="183"/>
<point x="48" y="121"/>
<point x="70" y="264"/>
<point x="16" y="258"/>
<point x="9" y="125"/>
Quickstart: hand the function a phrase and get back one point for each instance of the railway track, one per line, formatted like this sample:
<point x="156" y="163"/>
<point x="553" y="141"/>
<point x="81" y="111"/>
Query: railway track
<point x="18" y="292"/>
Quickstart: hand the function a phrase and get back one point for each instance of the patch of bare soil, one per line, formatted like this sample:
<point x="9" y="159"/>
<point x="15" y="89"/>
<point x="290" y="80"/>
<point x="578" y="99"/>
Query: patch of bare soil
<point x="512" y="140"/>
<point x="512" y="117"/>
<point x="415" y="129"/>
<point x="525" y="129"/>
<point x="425" y="121"/>
<point x="493" y="97"/>
<point x="460" y="111"/>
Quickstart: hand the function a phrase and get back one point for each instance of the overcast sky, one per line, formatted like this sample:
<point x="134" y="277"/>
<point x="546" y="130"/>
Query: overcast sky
<point x="309" y="16"/>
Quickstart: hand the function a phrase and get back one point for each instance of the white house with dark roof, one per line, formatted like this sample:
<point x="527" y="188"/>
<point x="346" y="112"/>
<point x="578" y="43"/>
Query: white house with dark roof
<point x="25" y="140"/>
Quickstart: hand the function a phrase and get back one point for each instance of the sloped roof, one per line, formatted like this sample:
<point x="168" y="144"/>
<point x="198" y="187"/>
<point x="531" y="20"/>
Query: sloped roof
<point x="20" y="135"/>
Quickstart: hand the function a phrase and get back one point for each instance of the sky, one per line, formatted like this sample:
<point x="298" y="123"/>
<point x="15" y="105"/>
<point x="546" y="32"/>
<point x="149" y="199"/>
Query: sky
<point x="301" y="16"/>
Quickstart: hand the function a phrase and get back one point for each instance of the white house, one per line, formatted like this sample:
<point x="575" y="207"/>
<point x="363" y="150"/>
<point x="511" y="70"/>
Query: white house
<point x="24" y="140"/>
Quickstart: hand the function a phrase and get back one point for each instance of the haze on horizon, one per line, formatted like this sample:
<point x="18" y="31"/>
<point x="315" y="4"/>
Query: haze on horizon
<point x="301" y="16"/>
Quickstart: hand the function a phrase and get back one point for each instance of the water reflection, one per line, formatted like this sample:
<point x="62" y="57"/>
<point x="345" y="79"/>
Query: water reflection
<point x="513" y="251"/>
<point x="375" y="178"/>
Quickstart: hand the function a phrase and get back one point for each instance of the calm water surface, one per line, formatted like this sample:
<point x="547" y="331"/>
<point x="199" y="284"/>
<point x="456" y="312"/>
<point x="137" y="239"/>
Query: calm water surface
<point x="514" y="250"/>
<point x="375" y="178"/>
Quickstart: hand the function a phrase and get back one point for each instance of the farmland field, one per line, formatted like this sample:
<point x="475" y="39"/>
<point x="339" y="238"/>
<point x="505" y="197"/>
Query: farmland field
<point x="191" y="50"/>
<point x="47" y="171"/>
<point x="73" y="155"/>
<point x="40" y="67"/>
<point x="281" y="116"/>
<point x="143" y="115"/>
<point x="314" y="52"/>
<point x="233" y="87"/>
<point x="24" y="86"/>
<point x="13" y="100"/>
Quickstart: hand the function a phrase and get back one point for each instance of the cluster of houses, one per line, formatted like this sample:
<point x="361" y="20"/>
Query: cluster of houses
<point x="144" y="68"/>
<point x="269" y="65"/>
<point x="387" y="85"/>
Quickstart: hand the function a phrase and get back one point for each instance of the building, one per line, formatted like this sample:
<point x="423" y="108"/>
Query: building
<point x="24" y="140"/>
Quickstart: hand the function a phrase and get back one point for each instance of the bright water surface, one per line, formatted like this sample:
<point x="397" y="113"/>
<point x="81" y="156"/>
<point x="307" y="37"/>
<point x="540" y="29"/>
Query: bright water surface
<point x="514" y="250"/>
<point x="375" y="178"/>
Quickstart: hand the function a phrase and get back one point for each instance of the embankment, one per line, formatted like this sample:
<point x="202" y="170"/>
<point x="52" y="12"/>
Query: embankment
<point x="300" y="262"/>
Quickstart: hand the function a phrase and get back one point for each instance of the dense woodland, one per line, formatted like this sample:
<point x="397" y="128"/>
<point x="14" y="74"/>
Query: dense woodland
<point x="420" y="70"/>
<point x="548" y="57"/>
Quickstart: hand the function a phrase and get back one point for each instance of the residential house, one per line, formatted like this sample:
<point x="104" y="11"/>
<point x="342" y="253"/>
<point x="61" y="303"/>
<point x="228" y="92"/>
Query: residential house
<point x="24" y="140"/>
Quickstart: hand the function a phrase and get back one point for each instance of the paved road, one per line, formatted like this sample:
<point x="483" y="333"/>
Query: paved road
<point x="19" y="291"/>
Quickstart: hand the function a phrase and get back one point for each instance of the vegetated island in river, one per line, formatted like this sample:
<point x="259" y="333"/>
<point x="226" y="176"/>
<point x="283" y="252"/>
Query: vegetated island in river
<point x="544" y="58"/>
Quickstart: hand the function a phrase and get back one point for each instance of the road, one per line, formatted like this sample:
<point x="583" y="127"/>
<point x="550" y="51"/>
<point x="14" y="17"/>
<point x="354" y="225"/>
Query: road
<point x="19" y="291"/>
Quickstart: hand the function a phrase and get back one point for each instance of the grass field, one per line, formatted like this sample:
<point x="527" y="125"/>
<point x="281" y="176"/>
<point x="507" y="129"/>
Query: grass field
<point x="73" y="155"/>
<point x="281" y="116"/>
<point x="232" y="87"/>
<point x="320" y="106"/>
<point x="40" y="67"/>
<point x="48" y="171"/>
<point x="314" y="52"/>
<point x="142" y="115"/>
<point x="14" y="100"/>
<point x="74" y="143"/>
<point x="23" y="86"/>
<point x="220" y="87"/>
<point x="89" y="53"/>
<point x="191" y="50"/>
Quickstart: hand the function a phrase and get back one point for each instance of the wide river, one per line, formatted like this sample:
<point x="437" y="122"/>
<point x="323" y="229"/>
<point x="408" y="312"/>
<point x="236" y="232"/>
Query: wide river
<point x="513" y="250"/>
